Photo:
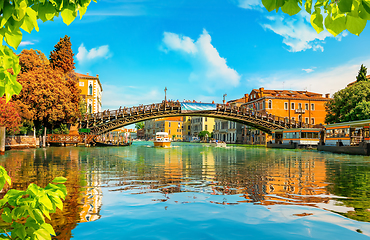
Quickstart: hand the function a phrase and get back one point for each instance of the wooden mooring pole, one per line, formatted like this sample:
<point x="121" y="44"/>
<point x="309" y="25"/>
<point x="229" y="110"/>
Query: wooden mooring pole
<point x="2" y="140"/>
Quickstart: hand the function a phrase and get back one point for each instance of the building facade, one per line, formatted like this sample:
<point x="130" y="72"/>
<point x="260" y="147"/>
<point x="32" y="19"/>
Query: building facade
<point x="199" y="124"/>
<point x="302" y="106"/>
<point x="172" y="125"/>
<point x="186" y="133"/>
<point x="91" y="92"/>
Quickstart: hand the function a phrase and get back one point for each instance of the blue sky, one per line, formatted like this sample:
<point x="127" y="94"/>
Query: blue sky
<point x="201" y="49"/>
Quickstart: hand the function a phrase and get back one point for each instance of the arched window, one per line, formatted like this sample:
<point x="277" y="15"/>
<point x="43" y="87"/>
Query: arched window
<point x="90" y="89"/>
<point x="270" y="104"/>
<point x="90" y="109"/>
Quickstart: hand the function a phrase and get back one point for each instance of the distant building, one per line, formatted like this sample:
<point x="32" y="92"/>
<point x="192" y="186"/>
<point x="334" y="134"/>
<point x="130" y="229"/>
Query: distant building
<point x="199" y="124"/>
<point x="91" y="92"/>
<point x="301" y="106"/>
<point x="171" y="125"/>
<point x="229" y="131"/>
<point x="186" y="130"/>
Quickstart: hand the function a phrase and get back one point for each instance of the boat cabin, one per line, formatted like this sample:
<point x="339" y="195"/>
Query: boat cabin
<point x="301" y="136"/>
<point x="347" y="133"/>
<point x="161" y="137"/>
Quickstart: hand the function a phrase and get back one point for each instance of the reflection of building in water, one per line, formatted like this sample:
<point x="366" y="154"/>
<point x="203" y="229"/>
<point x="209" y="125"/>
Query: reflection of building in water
<point x="292" y="179"/>
<point x="91" y="196"/>
<point x="172" y="166"/>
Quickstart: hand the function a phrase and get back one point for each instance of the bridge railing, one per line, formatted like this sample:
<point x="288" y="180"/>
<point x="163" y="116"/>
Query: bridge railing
<point x="238" y="110"/>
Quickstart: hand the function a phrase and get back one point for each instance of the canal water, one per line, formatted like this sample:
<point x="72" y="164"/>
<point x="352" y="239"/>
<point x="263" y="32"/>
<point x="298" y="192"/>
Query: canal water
<point x="193" y="191"/>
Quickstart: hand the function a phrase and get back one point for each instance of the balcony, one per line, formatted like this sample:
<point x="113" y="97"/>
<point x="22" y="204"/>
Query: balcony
<point x="300" y="111"/>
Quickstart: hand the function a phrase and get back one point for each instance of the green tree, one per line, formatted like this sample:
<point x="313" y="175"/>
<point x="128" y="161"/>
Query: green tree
<point x="349" y="104"/>
<point x="139" y="125"/>
<point x="204" y="134"/>
<point x="340" y="15"/>
<point x="24" y="14"/>
<point x="362" y="74"/>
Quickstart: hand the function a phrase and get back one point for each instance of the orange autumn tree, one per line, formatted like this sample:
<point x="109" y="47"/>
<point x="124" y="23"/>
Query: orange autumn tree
<point x="45" y="99"/>
<point x="61" y="59"/>
<point x="9" y="117"/>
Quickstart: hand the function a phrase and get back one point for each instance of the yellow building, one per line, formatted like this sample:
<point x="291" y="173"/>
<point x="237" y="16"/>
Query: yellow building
<point x="199" y="124"/>
<point x="91" y="91"/>
<point x="172" y="125"/>
<point x="186" y="133"/>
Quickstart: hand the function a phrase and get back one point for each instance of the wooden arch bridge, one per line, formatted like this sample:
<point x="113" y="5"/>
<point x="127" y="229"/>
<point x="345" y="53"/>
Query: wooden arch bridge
<point x="103" y="122"/>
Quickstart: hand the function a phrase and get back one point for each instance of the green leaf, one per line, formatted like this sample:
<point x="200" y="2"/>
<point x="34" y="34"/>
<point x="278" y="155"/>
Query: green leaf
<point x="364" y="14"/>
<point x="366" y="5"/>
<point x="308" y="6"/>
<point x="45" y="201"/>
<point x="42" y="234"/>
<point x="345" y="5"/>
<point x="335" y="25"/>
<point x="39" y="217"/>
<point x="316" y="20"/>
<point x="46" y="11"/>
<point x="6" y="215"/>
<point x="269" y="4"/>
<point x="59" y="180"/>
<point x="7" y="13"/>
<point x="48" y="228"/>
<point x="69" y="14"/>
<point x="291" y="7"/>
<point x="13" y="38"/>
<point x="355" y="25"/>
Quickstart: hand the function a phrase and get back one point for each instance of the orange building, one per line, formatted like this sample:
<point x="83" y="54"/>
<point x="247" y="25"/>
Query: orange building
<point x="91" y="91"/>
<point x="301" y="106"/>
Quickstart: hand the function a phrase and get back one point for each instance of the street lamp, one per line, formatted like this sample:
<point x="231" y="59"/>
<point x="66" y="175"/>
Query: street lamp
<point x="224" y="98"/>
<point x="165" y="94"/>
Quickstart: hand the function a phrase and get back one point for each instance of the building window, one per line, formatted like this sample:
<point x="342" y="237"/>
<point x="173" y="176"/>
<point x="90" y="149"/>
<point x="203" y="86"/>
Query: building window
<point x="306" y="120"/>
<point x="312" y="106"/>
<point x="270" y="104"/>
<point x="90" y="109"/>
<point x="82" y="84"/>
<point x="205" y="119"/>
<point x="306" y="105"/>
<point x="169" y="124"/>
<point x="90" y="89"/>
<point x="293" y="105"/>
<point x="206" y="127"/>
<point x="169" y="132"/>
<point x="263" y="105"/>
<point x="286" y="106"/>
<point x="312" y="120"/>
<point x="299" y="105"/>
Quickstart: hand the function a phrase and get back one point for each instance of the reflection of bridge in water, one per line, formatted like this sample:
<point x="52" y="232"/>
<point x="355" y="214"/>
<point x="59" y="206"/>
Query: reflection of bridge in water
<point x="107" y="121"/>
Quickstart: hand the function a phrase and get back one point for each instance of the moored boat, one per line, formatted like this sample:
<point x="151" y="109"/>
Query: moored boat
<point x="347" y="137"/>
<point x="217" y="144"/>
<point x="162" y="140"/>
<point x="295" y="138"/>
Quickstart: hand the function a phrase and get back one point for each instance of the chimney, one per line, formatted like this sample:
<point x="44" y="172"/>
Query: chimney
<point x="245" y="98"/>
<point x="97" y="75"/>
<point x="87" y="74"/>
<point x="261" y="91"/>
<point x="327" y="95"/>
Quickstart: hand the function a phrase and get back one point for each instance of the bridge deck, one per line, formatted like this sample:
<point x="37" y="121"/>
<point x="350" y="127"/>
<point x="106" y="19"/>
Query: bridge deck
<point x="106" y="121"/>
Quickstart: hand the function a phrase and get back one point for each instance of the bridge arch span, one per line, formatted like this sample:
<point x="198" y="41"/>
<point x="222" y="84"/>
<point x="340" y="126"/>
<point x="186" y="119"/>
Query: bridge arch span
<point x="106" y="121"/>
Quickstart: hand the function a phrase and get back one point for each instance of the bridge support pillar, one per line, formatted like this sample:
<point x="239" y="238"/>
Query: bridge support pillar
<point x="2" y="140"/>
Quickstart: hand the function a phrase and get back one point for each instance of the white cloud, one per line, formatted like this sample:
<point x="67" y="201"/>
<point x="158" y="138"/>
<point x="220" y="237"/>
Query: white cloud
<point x="128" y="96"/>
<point x="250" y="4"/>
<point x="84" y="56"/>
<point x="298" y="33"/>
<point x="209" y="68"/>
<point x="26" y="43"/>
<point x="308" y="70"/>
<point x="324" y="81"/>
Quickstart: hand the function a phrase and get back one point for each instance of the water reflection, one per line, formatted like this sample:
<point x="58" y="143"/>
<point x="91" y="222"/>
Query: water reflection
<point x="228" y="176"/>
